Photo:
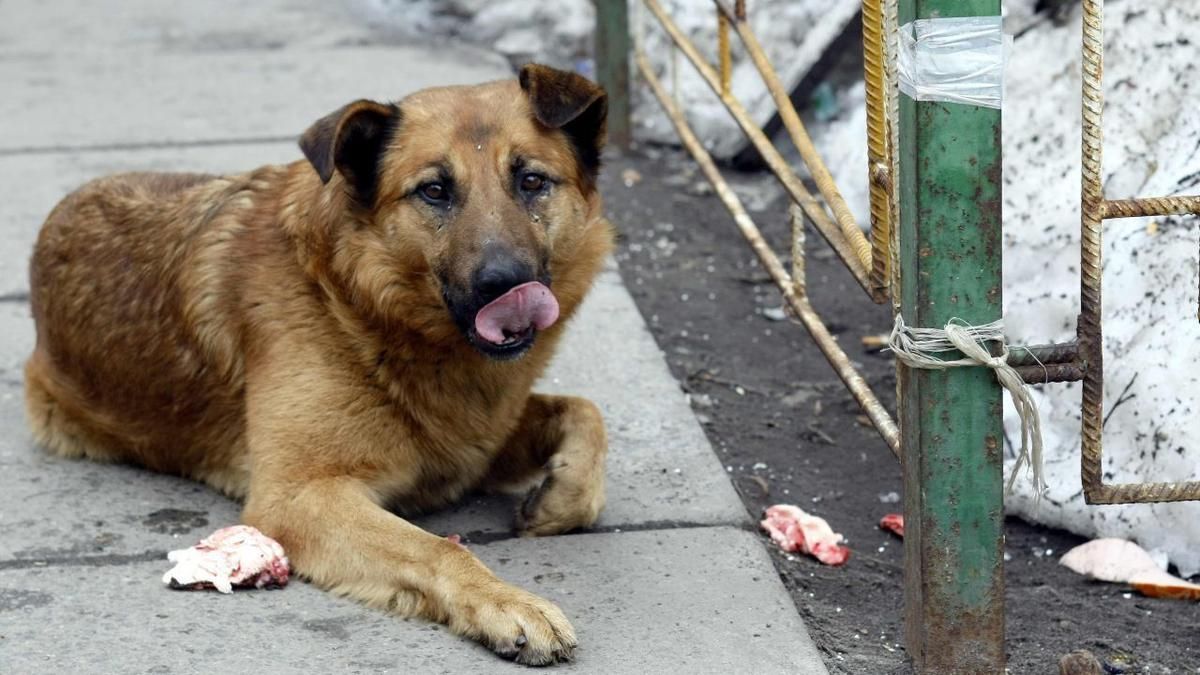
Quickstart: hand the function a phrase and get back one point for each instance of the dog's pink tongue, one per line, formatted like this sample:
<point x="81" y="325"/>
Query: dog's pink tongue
<point x="530" y="304"/>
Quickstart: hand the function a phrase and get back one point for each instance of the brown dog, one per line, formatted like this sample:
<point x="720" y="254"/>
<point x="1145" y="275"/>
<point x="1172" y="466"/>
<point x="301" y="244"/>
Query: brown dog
<point x="360" y="332"/>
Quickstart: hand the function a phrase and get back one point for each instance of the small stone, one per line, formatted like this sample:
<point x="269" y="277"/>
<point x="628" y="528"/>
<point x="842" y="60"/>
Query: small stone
<point x="1080" y="662"/>
<point x="774" y="313"/>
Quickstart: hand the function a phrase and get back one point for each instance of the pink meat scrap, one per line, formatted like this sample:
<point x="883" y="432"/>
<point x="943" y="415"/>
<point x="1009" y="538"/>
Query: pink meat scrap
<point x="794" y="530"/>
<point x="232" y="556"/>
<point x="893" y="522"/>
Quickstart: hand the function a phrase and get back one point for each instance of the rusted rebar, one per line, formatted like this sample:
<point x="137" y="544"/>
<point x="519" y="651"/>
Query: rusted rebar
<point x="799" y="273"/>
<point x="775" y="161"/>
<point x="809" y="154"/>
<point x="724" y="57"/>
<point x="799" y="305"/>
<point x="1094" y="209"/>
<point x="879" y="170"/>
<point x="1150" y="206"/>
<point x="1034" y="355"/>
<point x="891" y="33"/>
<point x="1051" y="372"/>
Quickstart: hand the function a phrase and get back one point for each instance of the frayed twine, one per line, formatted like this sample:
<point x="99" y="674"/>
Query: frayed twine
<point x="917" y="347"/>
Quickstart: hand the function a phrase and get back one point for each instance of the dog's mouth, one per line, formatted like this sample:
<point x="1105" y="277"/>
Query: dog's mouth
<point x="506" y="327"/>
<point x="514" y="345"/>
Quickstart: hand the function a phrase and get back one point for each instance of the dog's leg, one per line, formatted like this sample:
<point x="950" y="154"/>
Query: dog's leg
<point x="317" y="468"/>
<point x="563" y="438"/>
<point x="337" y="535"/>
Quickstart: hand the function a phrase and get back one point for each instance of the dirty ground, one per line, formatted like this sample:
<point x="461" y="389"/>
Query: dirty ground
<point x="787" y="431"/>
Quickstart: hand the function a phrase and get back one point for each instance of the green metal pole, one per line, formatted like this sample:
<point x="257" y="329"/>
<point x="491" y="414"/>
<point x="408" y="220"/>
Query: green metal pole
<point x="612" y="67"/>
<point x="950" y="250"/>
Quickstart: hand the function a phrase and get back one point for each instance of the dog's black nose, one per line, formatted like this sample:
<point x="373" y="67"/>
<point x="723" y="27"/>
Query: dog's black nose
<point x="500" y="271"/>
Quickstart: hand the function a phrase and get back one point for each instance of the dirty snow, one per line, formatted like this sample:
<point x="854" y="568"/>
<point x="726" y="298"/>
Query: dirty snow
<point x="794" y="33"/>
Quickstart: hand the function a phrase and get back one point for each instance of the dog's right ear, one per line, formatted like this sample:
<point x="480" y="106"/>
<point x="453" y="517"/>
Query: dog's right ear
<point x="351" y="140"/>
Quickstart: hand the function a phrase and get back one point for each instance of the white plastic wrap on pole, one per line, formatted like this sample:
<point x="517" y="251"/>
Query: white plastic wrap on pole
<point x="953" y="60"/>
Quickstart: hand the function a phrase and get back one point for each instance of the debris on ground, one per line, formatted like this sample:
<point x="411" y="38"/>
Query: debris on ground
<point x="794" y="530"/>
<point x="876" y="342"/>
<point x="1080" y="662"/>
<point x="774" y="313"/>
<point x="239" y="555"/>
<point x="1124" y="562"/>
<point x="762" y="484"/>
<point x="631" y="177"/>
<point x="894" y="523"/>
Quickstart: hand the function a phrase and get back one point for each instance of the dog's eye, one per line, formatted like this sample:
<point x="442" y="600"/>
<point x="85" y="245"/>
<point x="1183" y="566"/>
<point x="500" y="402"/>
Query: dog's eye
<point x="434" y="193"/>
<point x="532" y="182"/>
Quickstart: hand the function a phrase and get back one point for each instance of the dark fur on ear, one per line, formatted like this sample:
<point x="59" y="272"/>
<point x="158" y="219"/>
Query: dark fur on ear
<point x="571" y="102"/>
<point x="351" y="140"/>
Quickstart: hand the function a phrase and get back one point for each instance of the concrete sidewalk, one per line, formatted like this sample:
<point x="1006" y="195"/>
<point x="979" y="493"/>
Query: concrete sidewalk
<point x="670" y="580"/>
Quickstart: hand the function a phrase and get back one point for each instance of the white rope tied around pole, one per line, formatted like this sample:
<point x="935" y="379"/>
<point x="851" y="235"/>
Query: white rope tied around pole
<point x="916" y="347"/>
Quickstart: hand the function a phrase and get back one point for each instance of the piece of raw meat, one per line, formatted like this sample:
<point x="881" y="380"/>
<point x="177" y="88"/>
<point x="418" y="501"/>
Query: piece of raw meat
<point x="1125" y="562"/>
<point x="894" y="523"/>
<point x="795" y="530"/>
<point x="239" y="555"/>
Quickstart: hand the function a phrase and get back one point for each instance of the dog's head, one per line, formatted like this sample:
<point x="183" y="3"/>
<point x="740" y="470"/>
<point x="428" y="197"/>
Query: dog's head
<point x="477" y="197"/>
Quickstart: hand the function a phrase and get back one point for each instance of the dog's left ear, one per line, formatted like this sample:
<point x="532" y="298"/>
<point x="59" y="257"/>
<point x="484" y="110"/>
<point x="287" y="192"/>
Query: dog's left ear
<point x="351" y="140"/>
<point x="571" y="102"/>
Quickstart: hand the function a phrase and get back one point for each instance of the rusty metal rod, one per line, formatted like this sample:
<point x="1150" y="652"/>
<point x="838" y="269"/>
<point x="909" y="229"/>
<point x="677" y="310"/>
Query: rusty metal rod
<point x="778" y="165"/>
<point x="1150" y="206"/>
<point x="891" y="30"/>
<point x="1094" y="209"/>
<point x="1142" y="493"/>
<point x="1051" y="372"/>
<point x="879" y="170"/>
<point x="725" y="58"/>
<point x="1090" y="332"/>
<point x="1033" y="355"/>
<point x="808" y="151"/>
<point x="799" y="273"/>
<point x="837" y="358"/>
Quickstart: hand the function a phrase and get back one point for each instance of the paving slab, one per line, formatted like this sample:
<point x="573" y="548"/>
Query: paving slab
<point x="153" y="26"/>
<point x="229" y="96"/>
<point x="139" y="72"/>
<point x="704" y="600"/>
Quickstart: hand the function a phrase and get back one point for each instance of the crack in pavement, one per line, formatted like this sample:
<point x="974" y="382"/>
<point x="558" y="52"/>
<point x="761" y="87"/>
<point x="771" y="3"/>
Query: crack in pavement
<point x="478" y="538"/>
<point x="108" y="560"/>
<point x="142" y="145"/>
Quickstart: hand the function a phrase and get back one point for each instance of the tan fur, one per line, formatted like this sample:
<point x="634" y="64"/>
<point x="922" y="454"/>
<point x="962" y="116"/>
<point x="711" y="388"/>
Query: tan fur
<point x="288" y="344"/>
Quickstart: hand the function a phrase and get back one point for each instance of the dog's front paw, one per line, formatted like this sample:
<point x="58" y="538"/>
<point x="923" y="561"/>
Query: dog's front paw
<point x="562" y="503"/>
<point x="517" y="625"/>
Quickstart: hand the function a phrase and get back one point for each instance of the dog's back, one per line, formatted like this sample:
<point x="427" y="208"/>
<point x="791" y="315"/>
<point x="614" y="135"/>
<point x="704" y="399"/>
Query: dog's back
<point x="133" y="288"/>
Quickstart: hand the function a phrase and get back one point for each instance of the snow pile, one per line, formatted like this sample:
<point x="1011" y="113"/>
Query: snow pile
<point x="794" y="33"/>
